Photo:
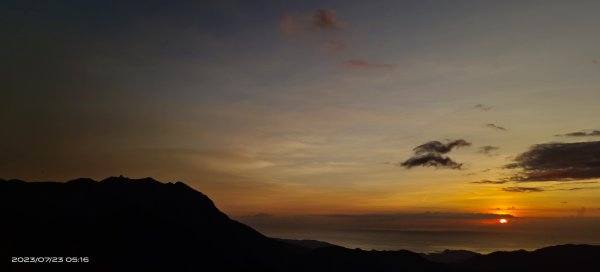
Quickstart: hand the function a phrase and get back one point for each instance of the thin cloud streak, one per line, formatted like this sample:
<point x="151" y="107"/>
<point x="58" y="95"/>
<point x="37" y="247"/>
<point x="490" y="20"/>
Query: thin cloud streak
<point x="593" y="133"/>
<point x="363" y="64"/>
<point x="494" y="126"/>
<point x="523" y="189"/>
<point x="483" y="107"/>
<point x="487" y="181"/>
<point x="488" y="149"/>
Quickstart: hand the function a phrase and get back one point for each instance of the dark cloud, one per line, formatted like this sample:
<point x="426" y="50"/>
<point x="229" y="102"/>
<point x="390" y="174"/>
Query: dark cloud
<point x="439" y="147"/>
<point x="523" y="189"/>
<point x="363" y="64"/>
<point x="487" y="181"/>
<point x="494" y="126"/>
<point x="430" y="154"/>
<point x="488" y="149"/>
<point x="581" y="134"/>
<point x="559" y="162"/>
<point x="431" y="159"/>
<point x="483" y="107"/>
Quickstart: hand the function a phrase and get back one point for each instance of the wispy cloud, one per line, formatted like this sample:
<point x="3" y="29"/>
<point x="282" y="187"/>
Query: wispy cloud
<point x="483" y="107"/>
<point x="494" y="126"/>
<point x="518" y="189"/>
<point x="487" y="181"/>
<point x="327" y="19"/>
<point x="430" y="154"/>
<point x="592" y="133"/>
<point x="319" y="20"/>
<point x="578" y="188"/>
<point x="430" y="215"/>
<point x="363" y="64"/>
<point x="488" y="150"/>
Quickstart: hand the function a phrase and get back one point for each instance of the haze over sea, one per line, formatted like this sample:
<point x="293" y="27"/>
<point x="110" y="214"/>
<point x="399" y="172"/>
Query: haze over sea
<point x="425" y="235"/>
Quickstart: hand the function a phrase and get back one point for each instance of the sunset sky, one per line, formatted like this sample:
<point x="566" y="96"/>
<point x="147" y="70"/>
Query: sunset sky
<point x="312" y="107"/>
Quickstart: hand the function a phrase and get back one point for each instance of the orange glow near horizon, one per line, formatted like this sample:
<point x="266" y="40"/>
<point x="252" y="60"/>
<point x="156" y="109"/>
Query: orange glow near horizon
<point x="503" y="221"/>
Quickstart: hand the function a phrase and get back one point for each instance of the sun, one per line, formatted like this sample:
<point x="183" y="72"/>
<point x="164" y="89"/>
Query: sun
<point x="503" y="221"/>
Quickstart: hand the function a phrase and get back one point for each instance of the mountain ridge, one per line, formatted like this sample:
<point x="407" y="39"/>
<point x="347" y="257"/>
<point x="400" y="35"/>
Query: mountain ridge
<point x="125" y="224"/>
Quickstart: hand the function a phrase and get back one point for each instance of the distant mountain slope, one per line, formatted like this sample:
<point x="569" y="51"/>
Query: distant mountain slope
<point x="554" y="258"/>
<point x="308" y="244"/>
<point x="450" y="256"/>
<point x="356" y="260"/>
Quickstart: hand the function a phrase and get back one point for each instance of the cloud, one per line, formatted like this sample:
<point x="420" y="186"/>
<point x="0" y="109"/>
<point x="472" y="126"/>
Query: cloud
<point x="494" y="126"/>
<point x="487" y="181"/>
<point x="327" y="19"/>
<point x="430" y="154"/>
<point x="523" y="189"/>
<point x="483" y="107"/>
<point x="581" y="134"/>
<point x="430" y="159"/>
<point x="488" y="149"/>
<point x="288" y="26"/>
<point x="439" y="147"/>
<point x="577" y="188"/>
<point x="363" y="64"/>
<point x="558" y="162"/>
<point x="424" y="215"/>
<point x="318" y="20"/>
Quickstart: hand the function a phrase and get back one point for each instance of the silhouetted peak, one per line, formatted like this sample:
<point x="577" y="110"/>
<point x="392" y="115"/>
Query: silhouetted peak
<point x="12" y="181"/>
<point x="184" y="187"/>
<point x="122" y="179"/>
<point x="82" y="181"/>
<point x="566" y="248"/>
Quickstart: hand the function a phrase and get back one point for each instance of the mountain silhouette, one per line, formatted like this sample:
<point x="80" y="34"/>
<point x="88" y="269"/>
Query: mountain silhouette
<point x="554" y="258"/>
<point x="124" y="224"/>
<point x="450" y="256"/>
<point x="129" y="225"/>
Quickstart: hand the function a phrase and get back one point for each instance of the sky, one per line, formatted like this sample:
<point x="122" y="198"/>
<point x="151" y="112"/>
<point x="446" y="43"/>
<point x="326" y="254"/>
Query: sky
<point x="332" y="108"/>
